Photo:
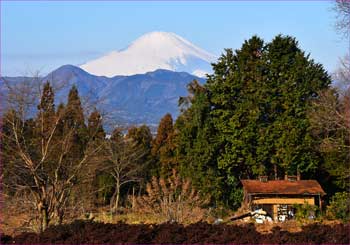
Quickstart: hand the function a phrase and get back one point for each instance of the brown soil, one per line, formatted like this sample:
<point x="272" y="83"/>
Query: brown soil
<point x="83" y="232"/>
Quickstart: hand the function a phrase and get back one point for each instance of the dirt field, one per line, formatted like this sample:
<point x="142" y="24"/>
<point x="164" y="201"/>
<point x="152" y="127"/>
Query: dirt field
<point x="85" y="232"/>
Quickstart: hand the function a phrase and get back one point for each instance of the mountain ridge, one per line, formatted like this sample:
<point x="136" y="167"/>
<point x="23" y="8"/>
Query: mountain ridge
<point x="135" y="99"/>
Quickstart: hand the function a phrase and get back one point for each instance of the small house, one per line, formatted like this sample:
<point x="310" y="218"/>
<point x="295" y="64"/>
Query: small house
<point x="278" y="197"/>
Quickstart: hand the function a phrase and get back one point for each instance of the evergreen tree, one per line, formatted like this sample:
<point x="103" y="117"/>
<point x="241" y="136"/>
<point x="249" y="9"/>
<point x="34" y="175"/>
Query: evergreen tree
<point x="236" y="87"/>
<point x="74" y="119"/>
<point x="60" y="112"/>
<point x="74" y="112"/>
<point x="260" y="107"/>
<point x="253" y="116"/>
<point x="46" y="110"/>
<point x="117" y="135"/>
<point x="141" y="135"/>
<point x="163" y="148"/>
<point x="95" y="127"/>
<point x="142" y="138"/>
<point x="47" y="99"/>
<point x="197" y="149"/>
<point x="294" y="79"/>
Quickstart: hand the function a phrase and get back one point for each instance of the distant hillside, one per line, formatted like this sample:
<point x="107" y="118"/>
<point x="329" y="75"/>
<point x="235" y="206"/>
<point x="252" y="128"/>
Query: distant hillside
<point x="142" y="98"/>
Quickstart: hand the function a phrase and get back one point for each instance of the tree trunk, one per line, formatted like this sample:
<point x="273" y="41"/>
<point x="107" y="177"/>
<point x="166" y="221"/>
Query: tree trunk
<point x="116" y="196"/>
<point x="44" y="219"/>
<point x="60" y="214"/>
<point x="116" y="204"/>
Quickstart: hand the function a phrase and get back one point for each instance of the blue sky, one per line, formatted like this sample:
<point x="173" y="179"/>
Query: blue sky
<point x="42" y="35"/>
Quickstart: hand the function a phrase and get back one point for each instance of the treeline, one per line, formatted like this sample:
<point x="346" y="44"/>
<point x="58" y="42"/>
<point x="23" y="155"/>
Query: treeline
<point x="62" y="162"/>
<point x="267" y="109"/>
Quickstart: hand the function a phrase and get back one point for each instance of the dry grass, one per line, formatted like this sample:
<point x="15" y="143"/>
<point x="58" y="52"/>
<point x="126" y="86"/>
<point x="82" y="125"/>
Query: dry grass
<point x="14" y="221"/>
<point x="105" y="216"/>
<point x="15" y="218"/>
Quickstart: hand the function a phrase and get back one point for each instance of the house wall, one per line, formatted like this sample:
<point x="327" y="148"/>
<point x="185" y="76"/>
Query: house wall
<point x="302" y="200"/>
<point x="274" y="203"/>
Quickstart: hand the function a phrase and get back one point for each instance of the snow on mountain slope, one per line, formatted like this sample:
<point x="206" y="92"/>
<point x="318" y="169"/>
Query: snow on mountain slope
<point x="152" y="51"/>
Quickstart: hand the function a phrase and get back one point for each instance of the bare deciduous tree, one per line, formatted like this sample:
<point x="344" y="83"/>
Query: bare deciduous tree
<point x="342" y="8"/>
<point x="38" y="148"/>
<point x="123" y="161"/>
<point x="330" y="123"/>
<point x="342" y="75"/>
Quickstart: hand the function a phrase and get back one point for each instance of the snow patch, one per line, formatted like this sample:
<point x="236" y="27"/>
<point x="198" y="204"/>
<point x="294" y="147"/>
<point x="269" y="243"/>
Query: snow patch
<point x="200" y="73"/>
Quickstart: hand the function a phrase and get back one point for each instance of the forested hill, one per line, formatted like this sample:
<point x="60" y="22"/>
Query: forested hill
<point x="135" y="99"/>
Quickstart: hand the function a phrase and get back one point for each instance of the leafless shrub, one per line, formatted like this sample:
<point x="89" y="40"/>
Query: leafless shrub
<point x="173" y="200"/>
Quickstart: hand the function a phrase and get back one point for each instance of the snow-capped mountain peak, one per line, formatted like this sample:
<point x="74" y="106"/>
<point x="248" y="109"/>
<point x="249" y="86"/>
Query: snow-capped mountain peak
<point x="152" y="51"/>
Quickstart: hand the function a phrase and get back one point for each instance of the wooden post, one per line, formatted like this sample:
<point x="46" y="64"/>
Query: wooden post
<point x="133" y="197"/>
<point x="275" y="170"/>
<point x="275" y="217"/>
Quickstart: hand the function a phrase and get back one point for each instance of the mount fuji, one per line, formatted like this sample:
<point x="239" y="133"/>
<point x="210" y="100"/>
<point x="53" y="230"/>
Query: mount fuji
<point x="150" y="52"/>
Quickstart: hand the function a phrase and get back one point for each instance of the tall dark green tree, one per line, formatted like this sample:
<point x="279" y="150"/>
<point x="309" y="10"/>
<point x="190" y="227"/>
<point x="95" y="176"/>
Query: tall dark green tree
<point x="74" y="119"/>
<point x="296" y="79"/>
<point x="264" y="120"/>
<point x="163" y="147"/>
<point x="196" y="148"/>
<point x="257" y="99"/>
<point x="142" y="138"/>
<point x="236" y="87"/>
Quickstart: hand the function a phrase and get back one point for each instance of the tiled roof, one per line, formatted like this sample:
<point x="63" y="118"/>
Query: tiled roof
<point x="300" y="187"/>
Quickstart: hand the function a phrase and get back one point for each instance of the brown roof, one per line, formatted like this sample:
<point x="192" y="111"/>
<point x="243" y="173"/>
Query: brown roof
<point x="300" y="187"/>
